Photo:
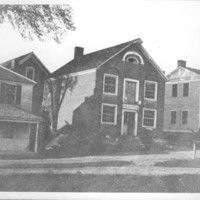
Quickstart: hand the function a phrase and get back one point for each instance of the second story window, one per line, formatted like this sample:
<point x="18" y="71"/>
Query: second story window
<point x="186" y="89"/>
<point x="10" y="94"/>
<point x="150" y="90"/>
<point x="174" y="90"/>
<point x="110" y="85"/>
<point x="30" y="73"/>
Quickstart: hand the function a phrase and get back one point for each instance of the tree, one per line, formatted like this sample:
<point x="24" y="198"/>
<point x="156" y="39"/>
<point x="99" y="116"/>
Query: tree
<point x="57" y="90"/>
<point x="41" y="21"/>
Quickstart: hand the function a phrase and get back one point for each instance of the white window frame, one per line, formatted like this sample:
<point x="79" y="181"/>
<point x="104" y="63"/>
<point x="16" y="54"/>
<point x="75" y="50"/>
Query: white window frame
<point x="137" y="88"/>
<point x="115" y="117"/>
<point x="33" y="72"/>
<point x="155" y="118"/>
<point x="156" y="89"/>
<point x="116" y="86"/>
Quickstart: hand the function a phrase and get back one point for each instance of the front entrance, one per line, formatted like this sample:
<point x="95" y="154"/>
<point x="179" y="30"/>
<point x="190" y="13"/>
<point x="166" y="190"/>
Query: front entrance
<point x="129" y="122"/>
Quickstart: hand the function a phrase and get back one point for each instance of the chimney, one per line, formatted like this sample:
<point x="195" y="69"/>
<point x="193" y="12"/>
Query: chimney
<point x="78" y="52"/>
<point x="181" y="63"/>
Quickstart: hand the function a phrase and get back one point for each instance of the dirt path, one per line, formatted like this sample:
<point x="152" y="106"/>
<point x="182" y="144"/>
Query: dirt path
<point x="139" y="165"/>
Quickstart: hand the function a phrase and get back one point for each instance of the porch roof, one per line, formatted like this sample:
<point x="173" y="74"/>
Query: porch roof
<point x="14" y="114"/>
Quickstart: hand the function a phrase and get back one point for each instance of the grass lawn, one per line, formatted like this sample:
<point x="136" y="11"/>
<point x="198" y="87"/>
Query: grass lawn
<point x="101" y="183"/>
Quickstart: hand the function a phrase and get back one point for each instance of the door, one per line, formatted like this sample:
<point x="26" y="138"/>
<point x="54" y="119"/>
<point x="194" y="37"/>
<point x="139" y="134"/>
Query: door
<point x="130" y="91"/>
<point x="129" y="123"/>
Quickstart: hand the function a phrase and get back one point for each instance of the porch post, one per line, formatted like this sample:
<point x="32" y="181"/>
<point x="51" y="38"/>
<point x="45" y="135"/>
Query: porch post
<point x="36" y="138"/>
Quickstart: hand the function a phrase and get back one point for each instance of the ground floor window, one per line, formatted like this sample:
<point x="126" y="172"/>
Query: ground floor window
<point x="184" y="117"/>
<point x="108" y="113"/>
<point x="149" y="118"/>
<point x="173" y="117"/>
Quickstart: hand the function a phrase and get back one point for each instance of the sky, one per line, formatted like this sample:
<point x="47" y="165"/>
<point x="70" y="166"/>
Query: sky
<point x="170" y="31"/>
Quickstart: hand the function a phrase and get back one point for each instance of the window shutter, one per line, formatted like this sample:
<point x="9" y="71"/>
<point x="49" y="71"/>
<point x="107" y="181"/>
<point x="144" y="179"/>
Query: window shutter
<point x="18" y="94"/>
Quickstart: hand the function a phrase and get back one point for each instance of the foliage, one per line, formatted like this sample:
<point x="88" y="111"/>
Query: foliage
<point x="57" y="89"/>
<point x="42" y="21"/>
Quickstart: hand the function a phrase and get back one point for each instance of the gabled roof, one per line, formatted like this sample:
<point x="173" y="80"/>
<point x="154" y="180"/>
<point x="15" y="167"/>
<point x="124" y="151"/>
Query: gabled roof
<point x="11" y="113"/>
<point x="9" y="75"/>
<point x="23" y="58"/>
<point x="96" y="59"/>
<point x="197" y="71"/>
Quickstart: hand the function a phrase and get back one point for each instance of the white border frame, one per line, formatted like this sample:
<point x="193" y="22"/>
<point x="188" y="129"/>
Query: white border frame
<point x="136" y="121"/>
<point x="115" y="118"/>
<point x="156" y="90"/>
<point x="137" y="88"/>
<point x="155" y="118"/>
<point x="33" y="72"/>
<point x="116" y="86"/>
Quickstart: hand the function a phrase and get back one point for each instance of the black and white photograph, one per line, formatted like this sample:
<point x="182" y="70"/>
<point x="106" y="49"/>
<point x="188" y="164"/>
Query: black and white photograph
<point x="100" y="97"/>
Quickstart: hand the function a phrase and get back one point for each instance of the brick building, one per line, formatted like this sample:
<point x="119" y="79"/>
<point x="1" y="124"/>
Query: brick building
<point x="120" y="91"/>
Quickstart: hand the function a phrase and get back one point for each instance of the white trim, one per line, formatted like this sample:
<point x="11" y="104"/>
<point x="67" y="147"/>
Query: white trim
<point x="137" y="88"/>
<point x="155" y="118"/>
<point x="182" y="81"/>
<point x="116" y="86"/>
<point x="156" y="90"/>
<point x="11" y="71"/>
<point x="134" y="53"/>
<point x="136" y="121"/>
<point x="33" y="78"/>
<point x="115" y="118"/>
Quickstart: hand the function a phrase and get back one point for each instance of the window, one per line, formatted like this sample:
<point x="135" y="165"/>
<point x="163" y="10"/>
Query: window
<point x="10" y="94"/>
<point x="30" y="73"/>
<point x="184" y="117"/>
<point x="150" y="90"/>
<point x="7" y="93"/>
<point x="185" y="89"/>
<point x="173" y="117"/>
<point x="174" y="90"/>
<point x="110" y="84"/>
<point x="149" y="118"/>
<point x="109" y="114"/>
<point x="132" y="59"/>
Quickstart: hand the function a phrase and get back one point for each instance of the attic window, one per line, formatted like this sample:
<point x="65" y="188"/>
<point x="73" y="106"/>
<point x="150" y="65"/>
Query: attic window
<point x="133" y="57"/>
<point x="30" y="73"/>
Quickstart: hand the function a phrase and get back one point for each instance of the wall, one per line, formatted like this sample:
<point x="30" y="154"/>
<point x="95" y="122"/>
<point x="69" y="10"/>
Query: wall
<point x="72" y="100"/>
<point x="20" y="140"/>
<point x="179" y="104"/>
